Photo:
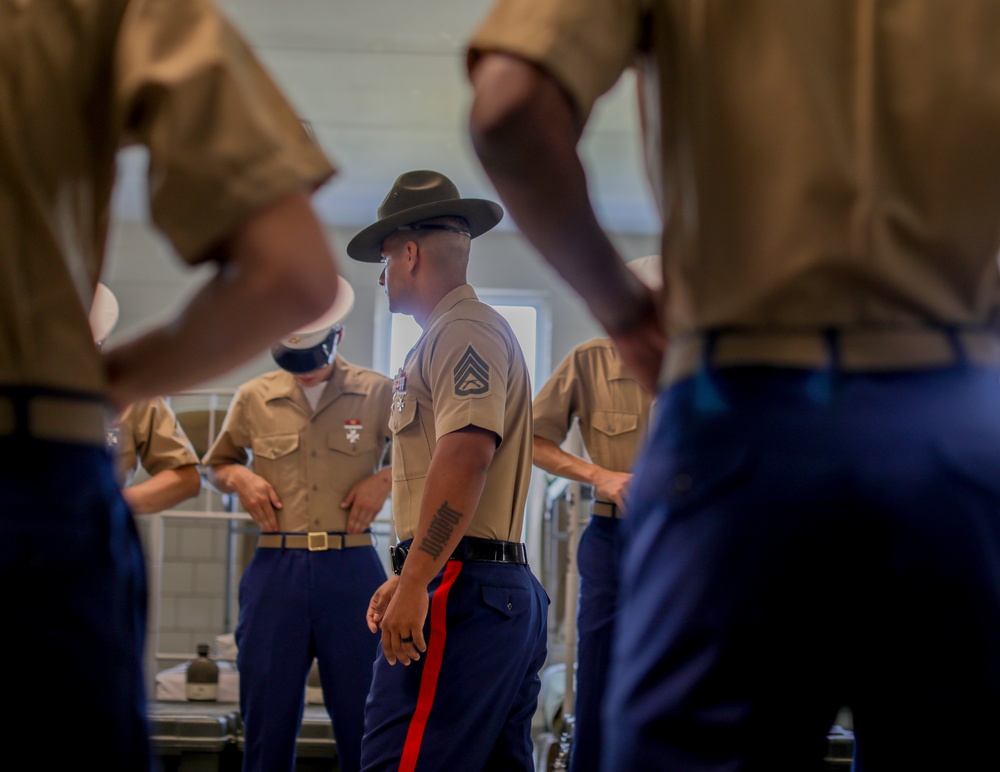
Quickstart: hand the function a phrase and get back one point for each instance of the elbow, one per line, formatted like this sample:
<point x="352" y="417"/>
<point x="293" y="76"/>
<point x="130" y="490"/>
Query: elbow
<point x="191" y="482"/>
<point x="312" y="292"/>
<point x="307" y="285"/>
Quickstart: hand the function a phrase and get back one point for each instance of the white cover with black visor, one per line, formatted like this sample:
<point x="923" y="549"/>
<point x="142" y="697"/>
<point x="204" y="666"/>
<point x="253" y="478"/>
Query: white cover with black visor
<point x="314" y="345"/>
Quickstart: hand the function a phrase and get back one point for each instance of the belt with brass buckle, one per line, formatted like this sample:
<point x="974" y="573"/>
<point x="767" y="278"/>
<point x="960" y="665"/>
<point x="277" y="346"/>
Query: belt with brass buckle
<point x="470" y="549"/>
<point x="314" y="541"/>
<point x="605" y="509"/>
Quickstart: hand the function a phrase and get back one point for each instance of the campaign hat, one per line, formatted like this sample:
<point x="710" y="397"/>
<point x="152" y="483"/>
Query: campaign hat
<point x="416" y="196"/>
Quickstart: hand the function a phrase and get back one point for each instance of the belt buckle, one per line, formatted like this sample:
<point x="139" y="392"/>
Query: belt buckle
<point x="317" y="541"/>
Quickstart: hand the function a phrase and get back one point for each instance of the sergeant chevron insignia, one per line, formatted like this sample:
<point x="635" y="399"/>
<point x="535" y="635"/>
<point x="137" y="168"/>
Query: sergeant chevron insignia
<point x="472" y="374"/>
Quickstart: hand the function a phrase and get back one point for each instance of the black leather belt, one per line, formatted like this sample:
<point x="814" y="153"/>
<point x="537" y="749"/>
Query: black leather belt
<point x="471" y="550"/>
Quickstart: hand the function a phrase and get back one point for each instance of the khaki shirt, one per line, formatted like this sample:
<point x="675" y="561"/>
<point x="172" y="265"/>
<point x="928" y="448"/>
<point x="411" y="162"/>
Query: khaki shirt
<point x="592" y="386"/>
<point x="79" y="81"/>
<point x="820" y="164"/>
<point x="466" y="369"/>
<point x="311" y="458"/>
<point x="148" y="433"/>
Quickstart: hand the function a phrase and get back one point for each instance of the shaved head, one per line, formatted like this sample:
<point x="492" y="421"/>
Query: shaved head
<point x="447" y="248"/>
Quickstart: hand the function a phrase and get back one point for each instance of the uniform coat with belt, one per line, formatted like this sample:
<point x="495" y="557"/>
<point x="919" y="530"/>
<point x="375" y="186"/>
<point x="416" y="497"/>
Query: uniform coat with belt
<point x="592" y="389"/>
<point x="296" y="604"/>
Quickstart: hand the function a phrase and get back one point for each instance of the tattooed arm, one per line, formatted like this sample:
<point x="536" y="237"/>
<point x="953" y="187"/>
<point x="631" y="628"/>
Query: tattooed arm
<point x="455" y="481"/>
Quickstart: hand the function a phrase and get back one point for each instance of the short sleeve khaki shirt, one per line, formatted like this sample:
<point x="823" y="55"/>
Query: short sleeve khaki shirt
<point x="148" y="434"/>
<point x="311" y="458"/>
<point x="466" y="369"/>
<point x="78" y="82"/>
<point x="592" y="386"/>
<point x="818" y="165"/>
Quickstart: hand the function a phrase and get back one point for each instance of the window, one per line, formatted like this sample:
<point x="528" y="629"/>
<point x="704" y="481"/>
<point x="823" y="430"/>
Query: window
<point x="525" y="311"/>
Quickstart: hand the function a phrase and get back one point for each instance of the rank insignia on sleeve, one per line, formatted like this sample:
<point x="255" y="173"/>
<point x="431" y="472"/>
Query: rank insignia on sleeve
<point x="352" y="428"/>
<point x="472" y="374"/>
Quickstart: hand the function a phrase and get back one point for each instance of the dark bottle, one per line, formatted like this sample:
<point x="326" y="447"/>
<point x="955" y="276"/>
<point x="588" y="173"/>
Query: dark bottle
<point x="203" y="676"/>
<point x="314" y="690"/>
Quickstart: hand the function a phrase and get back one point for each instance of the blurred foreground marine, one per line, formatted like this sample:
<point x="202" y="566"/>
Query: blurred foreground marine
<point x="146" y="433"/>
<point x="463" y="622"/>
<point x="592" y="389"/>
<point x="317" y="432"/>
<point x="230" y="174"/>
<point x="828" y="420"/>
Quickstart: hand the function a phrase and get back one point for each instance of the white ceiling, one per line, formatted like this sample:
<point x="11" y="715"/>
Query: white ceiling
<point x="383" y="84"/>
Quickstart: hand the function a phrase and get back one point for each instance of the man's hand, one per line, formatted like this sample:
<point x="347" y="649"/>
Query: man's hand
<point x="612" y="486"/>
<point x="258" y="498"/>
<point x="608" y="485"/>
<point x="399" y="610"/>
<point x="366" y="499"/>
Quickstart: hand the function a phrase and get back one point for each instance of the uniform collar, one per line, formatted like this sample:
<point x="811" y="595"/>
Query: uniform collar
<point x="342" y="380"/>
<point x="449" y="301"/>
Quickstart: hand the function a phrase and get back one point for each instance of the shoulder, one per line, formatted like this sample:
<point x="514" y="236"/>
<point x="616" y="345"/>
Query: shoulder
<point x="473" y="318"/>
<point x="142" y="412"/>
<point x="265" y="386"/>
<point x="362" y="379"/>
<point x="596" y="348"/>
<point x="588" y="354"/>
<point x="584" y="46"/>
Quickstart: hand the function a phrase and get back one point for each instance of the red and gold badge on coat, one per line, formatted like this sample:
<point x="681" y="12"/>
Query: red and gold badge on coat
<point x="398" y="391"/>
<point x="352" y="428"/>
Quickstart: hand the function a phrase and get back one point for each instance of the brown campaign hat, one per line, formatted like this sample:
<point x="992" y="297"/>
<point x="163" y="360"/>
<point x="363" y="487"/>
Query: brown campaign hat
<point x="421" y="195"/>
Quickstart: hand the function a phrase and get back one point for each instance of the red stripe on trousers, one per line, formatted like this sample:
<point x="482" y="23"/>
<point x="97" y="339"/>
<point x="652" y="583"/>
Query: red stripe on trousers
<point x="432" y="668"/>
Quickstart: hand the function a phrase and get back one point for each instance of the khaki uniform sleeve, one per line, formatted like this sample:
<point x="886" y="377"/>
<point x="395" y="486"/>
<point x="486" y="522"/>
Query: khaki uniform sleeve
<point x="585" y="46"/>
<point x="469" y="378"/>
<point x="159" y="439"/>
<point x="223" y="140"/>
<point x="557" y="402"/>
<point x="230" y="447"/>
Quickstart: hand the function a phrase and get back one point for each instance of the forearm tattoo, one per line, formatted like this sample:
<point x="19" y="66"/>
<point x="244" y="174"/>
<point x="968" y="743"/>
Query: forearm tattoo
<point x="440" y="530"/>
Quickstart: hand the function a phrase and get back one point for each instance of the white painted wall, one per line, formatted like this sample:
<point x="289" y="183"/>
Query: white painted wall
<point x="150" y="283"/>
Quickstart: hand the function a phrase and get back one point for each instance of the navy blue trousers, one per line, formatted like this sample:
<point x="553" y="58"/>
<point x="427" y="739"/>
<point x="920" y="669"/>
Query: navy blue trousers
<point x="467" y="703"/>
<point x="598" y="558"/>
<point x="799" y="541"/>
<point x="296" y="605"/>
<point x="74" y="609"/>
